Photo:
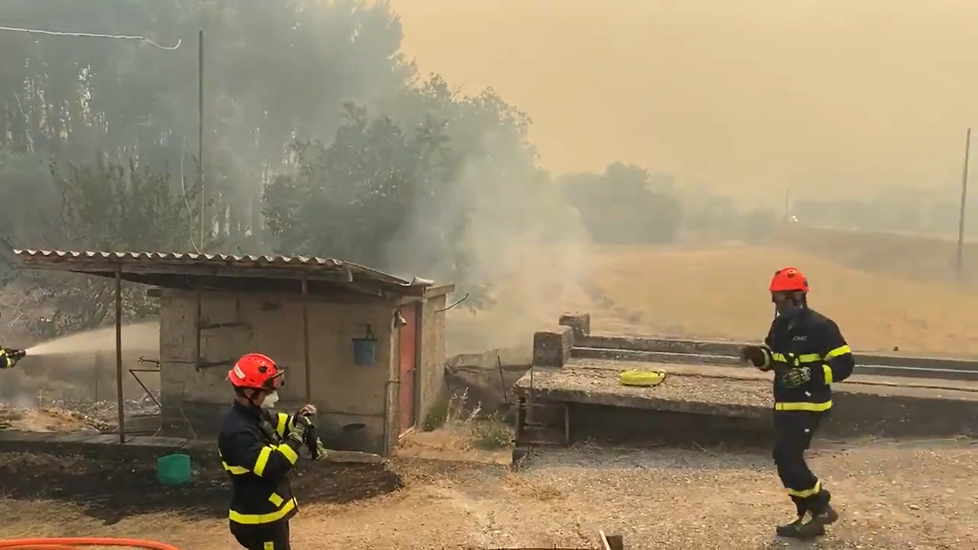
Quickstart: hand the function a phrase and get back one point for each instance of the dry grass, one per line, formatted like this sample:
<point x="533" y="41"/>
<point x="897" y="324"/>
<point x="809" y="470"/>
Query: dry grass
<point x="922" y="496"/>
<point x="721" y="292"/>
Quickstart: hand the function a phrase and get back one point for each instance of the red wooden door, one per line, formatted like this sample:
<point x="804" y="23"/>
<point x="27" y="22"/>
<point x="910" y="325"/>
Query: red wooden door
<point x="408" y="367"/>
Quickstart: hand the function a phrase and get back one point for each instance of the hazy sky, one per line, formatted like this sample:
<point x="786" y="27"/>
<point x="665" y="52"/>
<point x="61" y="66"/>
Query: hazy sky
<point x="743" y="94"/>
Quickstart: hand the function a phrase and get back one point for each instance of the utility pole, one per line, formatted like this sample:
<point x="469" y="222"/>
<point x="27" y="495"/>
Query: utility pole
<point x="200" y="131"/>
<point x="964" y="200"/>
<point x="787" y="205"/>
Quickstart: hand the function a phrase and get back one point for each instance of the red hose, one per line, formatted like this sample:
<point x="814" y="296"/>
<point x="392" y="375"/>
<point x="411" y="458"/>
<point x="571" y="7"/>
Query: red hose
<point x="74" y="543"/>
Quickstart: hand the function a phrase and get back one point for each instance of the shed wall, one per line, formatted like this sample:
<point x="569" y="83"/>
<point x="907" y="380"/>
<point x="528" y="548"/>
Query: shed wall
<point x="272" y="324"/>
<point x="431" y="376"/>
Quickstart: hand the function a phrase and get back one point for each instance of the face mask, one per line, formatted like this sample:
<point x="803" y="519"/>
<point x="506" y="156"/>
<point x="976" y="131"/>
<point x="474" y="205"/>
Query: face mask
<point x="270" y="400"/>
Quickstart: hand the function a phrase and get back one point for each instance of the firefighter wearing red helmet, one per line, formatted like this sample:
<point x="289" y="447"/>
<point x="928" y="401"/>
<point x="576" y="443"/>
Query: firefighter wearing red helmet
<point x="258" y="450"/>
<point x="807" y="353"/>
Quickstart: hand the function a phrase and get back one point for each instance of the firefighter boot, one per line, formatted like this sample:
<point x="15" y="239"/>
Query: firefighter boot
<point x="806" y="527"/>
<point x="822" y="509"/>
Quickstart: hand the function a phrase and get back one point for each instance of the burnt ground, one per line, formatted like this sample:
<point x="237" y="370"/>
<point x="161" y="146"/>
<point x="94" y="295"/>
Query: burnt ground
<point x="113" y="490"/>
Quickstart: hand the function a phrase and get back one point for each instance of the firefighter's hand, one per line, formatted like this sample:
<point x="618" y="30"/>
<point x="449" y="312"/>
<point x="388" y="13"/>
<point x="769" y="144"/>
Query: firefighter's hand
<point x="755" y="355"/>
<point x="798" y="376"/>
<point x="300" y="426"/>
<point x="306" y="410"/>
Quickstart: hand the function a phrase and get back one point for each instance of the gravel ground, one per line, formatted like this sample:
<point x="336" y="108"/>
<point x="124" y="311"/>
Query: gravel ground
<point x="909" y="495"/>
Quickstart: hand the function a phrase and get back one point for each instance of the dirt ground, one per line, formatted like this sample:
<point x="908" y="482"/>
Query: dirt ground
<point x="891" y="495"/>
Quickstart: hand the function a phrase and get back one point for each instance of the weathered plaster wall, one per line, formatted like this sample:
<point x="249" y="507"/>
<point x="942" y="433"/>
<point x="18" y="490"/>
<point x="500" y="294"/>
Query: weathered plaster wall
<point x="272" y="324"/>
<point x="431" y="378"/>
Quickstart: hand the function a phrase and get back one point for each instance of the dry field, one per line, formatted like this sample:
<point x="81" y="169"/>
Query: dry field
<point x="722" y="292"/>
<point x="882" y="300"/>
<point x="914" y="495"/>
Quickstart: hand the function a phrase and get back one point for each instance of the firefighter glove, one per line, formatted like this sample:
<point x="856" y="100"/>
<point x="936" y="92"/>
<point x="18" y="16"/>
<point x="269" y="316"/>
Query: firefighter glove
<point x="301" y="425"/>
<point x="759" y="356"/>
<point x="798" y="376"/>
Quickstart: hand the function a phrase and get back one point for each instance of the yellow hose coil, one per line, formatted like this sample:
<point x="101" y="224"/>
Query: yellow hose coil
<point x="642" y="378"/>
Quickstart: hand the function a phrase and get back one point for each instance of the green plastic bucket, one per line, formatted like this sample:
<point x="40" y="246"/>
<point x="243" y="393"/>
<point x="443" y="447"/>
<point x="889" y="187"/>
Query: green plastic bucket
<point x="173" y="469"/>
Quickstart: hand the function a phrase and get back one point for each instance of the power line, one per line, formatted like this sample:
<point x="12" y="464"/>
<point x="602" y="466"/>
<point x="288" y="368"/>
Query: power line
<point x="92" y="35"/>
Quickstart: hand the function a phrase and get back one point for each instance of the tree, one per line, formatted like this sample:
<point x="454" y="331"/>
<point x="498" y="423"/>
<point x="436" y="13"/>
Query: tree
<point x="274" y="73"/>
<point x="108" y="205"/>
<point x="351" y="198"/>
<point x="620" y="206"/>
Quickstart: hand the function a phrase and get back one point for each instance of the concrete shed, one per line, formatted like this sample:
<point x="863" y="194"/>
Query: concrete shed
<point x="303" y="312"/>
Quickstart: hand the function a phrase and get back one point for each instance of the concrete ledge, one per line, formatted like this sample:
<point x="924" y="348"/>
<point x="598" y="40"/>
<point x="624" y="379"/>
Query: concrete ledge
<point x="884" y="410"/>
<point x="552" y="348"/>
<point x="106" y="446"/>
<point x="721" y="353"/>
<point x="580" y="322"/>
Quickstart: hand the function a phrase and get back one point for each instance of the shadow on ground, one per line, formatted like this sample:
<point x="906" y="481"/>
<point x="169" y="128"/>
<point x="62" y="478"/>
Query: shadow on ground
<point x="113" y="490"/>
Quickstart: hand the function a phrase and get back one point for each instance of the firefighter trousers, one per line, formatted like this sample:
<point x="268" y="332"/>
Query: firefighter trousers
<point x="793" y="432"/>
<point x="272" y="536"/>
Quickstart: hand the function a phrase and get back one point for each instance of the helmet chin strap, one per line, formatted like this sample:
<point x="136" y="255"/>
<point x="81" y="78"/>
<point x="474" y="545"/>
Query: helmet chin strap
<point x="249" y="395"/>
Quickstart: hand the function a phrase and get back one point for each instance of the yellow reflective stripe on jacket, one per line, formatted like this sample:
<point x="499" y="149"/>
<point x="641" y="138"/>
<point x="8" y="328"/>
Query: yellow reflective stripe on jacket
<point x="266" y="453"/>
<point x="281" y="424"/>
<point x="807" y="492"/>
<point x="814" y="357"/>
<point x="262" y="462"/>
<point x="827" y="374"/>
<point x="839" y="351"/>
<point x="235" y="470"/>
<point x="803" y="358"/>
<point x="260" y="519"/>
<point x="808" y="407"/>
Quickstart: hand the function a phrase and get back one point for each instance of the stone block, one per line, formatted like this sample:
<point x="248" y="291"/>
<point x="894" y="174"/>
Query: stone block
<point x="552" y="348"/>
<point x="580" y="322"/>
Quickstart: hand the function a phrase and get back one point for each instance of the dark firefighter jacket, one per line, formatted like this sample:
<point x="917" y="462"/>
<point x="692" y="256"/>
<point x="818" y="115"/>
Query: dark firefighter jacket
<point x="258" y="457"/>
<point x="808" y="339"/>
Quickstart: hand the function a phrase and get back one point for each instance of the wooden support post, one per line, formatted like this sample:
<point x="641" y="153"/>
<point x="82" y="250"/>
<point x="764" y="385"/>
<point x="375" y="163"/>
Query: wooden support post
<point x="120" y="399"/>
<point x="198" y="321"/>
<point x="520" y="419"/>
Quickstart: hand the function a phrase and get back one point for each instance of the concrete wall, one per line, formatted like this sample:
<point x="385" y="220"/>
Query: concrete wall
<point x="431" y="373"/>
<point x="343" y="392"/>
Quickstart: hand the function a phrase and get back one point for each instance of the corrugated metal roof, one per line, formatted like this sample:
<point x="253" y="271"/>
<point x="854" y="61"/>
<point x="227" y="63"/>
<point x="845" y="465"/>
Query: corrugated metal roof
<point x="90" y="260"/>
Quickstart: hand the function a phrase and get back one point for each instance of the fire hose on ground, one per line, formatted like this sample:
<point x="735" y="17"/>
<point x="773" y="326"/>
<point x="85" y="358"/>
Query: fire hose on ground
<point x="74" y="543"/>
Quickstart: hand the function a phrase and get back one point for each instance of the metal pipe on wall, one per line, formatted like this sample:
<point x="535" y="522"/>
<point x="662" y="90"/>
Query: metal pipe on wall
<point x="306" y="363"/>
<point x="120" y="401"/>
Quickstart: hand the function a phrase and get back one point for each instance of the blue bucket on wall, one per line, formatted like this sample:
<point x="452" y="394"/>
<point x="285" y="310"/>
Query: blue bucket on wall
<point x="364" y="351"/>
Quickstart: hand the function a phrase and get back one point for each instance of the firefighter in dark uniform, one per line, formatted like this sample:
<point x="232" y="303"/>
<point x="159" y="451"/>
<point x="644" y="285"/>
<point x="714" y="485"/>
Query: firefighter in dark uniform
<point x="258" y="450"/>
<point x="807" y="353"/>
<point x="9" y="357"/>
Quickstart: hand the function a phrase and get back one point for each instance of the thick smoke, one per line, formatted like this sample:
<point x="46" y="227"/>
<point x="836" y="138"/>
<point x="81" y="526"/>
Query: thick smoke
<point x="524" y="244"/>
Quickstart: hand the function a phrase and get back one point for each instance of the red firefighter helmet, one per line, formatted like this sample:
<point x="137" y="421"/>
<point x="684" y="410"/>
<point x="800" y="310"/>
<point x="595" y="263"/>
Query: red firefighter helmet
<point x="256" y="371"/>
<point x="788" y="279"/>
